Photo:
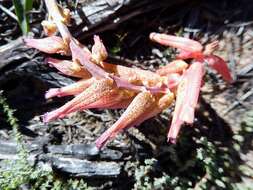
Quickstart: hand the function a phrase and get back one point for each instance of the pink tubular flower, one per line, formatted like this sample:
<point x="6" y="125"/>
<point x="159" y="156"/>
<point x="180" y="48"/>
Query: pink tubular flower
<point x="189" y="87"/>
<point x="79" y="55"/>
<point x="100" y="94"/>
<point x="187" y="99"/>
<point x="177" y="42"/>
<point x="143" y="107"/>
<point x="219" y="65"/>
<point x="69" y="68"/>
<point x="177" y="66"/>
<point x="143" y="93"/>
<point x="72" y="89"/>
<point x="52" y="44"/>
<point x="188" y="48"/>
<point x="173" y="80"/>
<point x="92" y="94"/>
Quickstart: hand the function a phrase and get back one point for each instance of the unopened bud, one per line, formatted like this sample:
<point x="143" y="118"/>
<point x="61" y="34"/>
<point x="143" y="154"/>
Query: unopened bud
<point x="66" y="16"/>
<point x="49" y="27"/>
<point x="99" y="52"/>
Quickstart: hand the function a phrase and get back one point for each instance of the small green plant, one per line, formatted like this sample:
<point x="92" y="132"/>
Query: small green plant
<point x="21" y="9"/>
<point x="211" y="172"/>
<point x="146" y="180"/>
<point x="117" y="48"/>
<point x="213" y="166"/>
<point x="143" y="180"/>
<point x="10" y="118"/>
<point x="17" y="171"/>
<point x="20" y="172"/>
<point x="243" y="143"/>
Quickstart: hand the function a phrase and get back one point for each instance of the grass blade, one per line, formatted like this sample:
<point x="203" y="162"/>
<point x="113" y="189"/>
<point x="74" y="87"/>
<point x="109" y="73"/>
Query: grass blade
<point x="21" y="9"/>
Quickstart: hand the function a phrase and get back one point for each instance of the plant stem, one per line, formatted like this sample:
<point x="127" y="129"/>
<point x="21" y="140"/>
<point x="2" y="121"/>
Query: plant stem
<point x="56" y="14"/>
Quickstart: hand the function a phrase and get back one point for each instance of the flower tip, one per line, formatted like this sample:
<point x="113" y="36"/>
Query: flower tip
<point x="171" y="140"/>
<point x="103" y="139"/>
<point x="220" y="65"/>
<point x="99" y="145"/>
<point x="29" y="42"/>
<point x="152" y="35"/>
<point x="54" y="62"/>
<point x="96" y="37"/>
<point x="46" y="60"/>
<point x="95" y="149"/>
<point x="228" y="78"/>
<point x="52" y="44"/>
<point x="49" y="61"/>
<point x="99" y="52"/>
<point x="50" y="116"/>
<point x="51" y="93"/>
<point x="45" y="118"/>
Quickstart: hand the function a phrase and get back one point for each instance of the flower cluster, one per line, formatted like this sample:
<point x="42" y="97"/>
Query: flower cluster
<point x="143" y="93"/>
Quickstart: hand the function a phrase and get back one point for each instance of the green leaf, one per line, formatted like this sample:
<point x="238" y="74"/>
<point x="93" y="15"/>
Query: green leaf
<point x="28" y="4"/>
<point x="21" y="9"/>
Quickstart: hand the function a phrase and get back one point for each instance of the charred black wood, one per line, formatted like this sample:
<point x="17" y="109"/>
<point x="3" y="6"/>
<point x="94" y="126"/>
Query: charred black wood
<point x="104" y="16"/>
<point x="14" y="51"/>
<point x="85" y="168"/>
<point x="83" y="151"/>
<point x="97" y="10"/>
<point x="70" y="159"/>
<point x="88" y="151"/>
<point x="11" y="147"/>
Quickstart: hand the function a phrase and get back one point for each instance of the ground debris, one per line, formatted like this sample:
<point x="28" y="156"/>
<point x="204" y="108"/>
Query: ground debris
<point x="85" y="168"/>
<point x="80" y="160"/>
<point x="88" y="151"/>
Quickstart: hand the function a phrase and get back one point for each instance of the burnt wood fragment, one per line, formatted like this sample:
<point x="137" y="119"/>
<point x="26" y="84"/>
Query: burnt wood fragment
<point x="88" y="151"/>
<point x="70" y="159"/>
<point x="85" y="168"/>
